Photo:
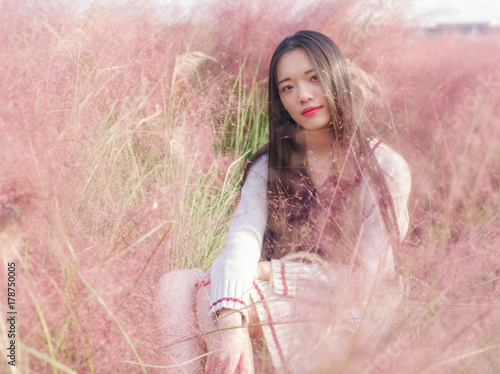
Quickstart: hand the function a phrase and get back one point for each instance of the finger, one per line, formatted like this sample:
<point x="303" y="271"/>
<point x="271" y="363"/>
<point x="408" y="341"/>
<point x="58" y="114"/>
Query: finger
<point x="242" y="368"/>
<point x="209" y="366"/>
<point x="204" y="281"/>
<point x="245" y="365"/>
<point x="227" y="364"/>
<point x="223" y="367"/>
<point x="229" y="367"/>
<point x="212" y="366"/>
<point x="240" y="362"/>
<point x="218" y="363"/>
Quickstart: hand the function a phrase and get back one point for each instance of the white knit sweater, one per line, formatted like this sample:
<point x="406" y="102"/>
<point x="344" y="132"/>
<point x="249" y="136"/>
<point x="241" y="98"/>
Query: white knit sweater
<point x="233" y="271"/>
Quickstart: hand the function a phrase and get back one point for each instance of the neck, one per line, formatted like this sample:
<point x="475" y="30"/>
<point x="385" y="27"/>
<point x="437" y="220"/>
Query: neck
<point x="319" y="142"/>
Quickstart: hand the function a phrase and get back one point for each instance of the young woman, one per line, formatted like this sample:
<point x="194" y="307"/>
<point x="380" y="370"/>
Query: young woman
<point x="308" y="265"/>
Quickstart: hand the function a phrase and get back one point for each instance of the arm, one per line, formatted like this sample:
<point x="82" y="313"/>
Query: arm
<point x="232" y="275"/>
<point x="233" y="271"/>
<point x="229" y="347"/>
<point x="375" y="250"/>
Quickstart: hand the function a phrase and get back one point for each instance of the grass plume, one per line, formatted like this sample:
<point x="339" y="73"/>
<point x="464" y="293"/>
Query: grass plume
<point x="123" y="135"/>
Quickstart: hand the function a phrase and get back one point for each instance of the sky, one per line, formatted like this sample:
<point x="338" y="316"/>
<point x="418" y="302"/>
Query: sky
<point x="460" y="11"/>
<point x="443" y="11"/>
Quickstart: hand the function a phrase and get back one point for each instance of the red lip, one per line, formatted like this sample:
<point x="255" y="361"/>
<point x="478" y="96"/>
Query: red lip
<point x="310" y="110"/>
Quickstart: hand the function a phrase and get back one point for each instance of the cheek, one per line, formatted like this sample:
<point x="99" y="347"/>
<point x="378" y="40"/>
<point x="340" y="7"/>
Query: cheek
<point x="285" y="101"/>
<point x="320" y="91"/>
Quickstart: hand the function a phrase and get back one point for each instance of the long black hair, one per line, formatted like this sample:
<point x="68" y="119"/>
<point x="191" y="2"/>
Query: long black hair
<point x="287" y="194"/>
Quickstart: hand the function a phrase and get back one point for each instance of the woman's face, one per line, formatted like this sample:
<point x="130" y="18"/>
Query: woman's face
<point x="301" y="92"/>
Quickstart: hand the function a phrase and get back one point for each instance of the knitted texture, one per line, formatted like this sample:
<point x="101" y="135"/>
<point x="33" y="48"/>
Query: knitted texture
<point x="233" y="271"/>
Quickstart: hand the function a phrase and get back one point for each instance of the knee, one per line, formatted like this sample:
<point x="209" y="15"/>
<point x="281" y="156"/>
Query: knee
<point x="203" y="304"/>
<point x="203" y="301"/>
<point x="178" y="282"/>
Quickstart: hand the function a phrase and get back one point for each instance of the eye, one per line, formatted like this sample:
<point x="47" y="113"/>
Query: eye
<point x="286" y="88"/>
<point x="314" y="78"/>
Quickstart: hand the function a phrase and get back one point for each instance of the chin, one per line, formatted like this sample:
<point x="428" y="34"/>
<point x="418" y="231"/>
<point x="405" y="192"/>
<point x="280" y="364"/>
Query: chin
<point x="319" y="127"/>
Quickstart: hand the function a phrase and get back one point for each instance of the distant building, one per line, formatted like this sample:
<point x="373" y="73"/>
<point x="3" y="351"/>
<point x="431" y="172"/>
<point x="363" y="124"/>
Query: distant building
<point x="474" y="28"/>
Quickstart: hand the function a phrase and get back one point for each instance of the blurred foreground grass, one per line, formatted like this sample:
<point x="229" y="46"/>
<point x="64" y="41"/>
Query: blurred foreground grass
<point x="123" y="140"/>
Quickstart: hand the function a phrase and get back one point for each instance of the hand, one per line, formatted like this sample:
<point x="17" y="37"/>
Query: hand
<point x="264" y="271"/>
<point x="230" y="346"/>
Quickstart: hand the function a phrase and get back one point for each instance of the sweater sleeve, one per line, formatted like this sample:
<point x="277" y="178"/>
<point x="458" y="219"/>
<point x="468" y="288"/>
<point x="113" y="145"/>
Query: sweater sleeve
<point x="374" y="251"/>
<point x="233" y="270"/>
<point x="290" y="278"/>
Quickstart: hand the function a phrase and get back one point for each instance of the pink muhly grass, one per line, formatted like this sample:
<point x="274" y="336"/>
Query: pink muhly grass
<point x="120" y="171"/>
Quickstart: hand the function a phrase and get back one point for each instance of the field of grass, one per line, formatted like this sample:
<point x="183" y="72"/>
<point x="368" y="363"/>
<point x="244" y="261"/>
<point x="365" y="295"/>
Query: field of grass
<point x="123" y="136"/>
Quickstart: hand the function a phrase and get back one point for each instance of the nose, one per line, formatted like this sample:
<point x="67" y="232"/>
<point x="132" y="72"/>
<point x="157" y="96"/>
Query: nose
<point x="305" y="93"/>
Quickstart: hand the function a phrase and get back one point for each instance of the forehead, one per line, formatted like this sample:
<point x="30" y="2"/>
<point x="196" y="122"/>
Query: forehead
<point x="293" y="63"/>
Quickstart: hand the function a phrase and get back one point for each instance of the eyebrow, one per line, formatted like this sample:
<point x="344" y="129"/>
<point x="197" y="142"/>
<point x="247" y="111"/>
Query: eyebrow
<point x="287" y="79"/>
